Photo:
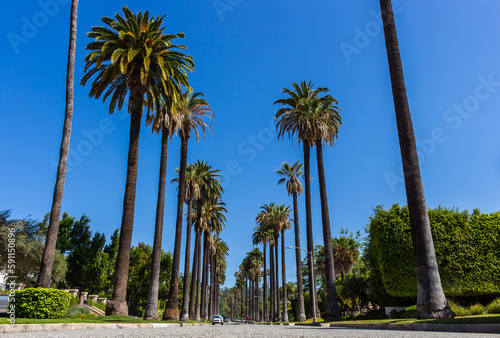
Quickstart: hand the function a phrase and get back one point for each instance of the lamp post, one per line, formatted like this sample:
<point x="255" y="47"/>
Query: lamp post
<point x="310" y="254"/>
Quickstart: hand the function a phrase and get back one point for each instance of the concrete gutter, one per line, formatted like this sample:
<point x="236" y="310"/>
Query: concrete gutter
<point x="6" y="328"/>
<point x="465" y="328"/>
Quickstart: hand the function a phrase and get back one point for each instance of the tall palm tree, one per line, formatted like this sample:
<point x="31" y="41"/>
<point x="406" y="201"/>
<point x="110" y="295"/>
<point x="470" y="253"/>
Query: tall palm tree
<point x="255" y="260"/>
<point x="264" y="218"/>
<point x="288" y="123"/>
<point x="290" y="175"/>
<point x="281" y="222"/>
<point x="167" y="124"/>
<point x="321" y="120"/>
<point x="49" y="251"/>
<point x="212" y="220"/>
<point x="133" y="55"/>
<point x="220" y="253"/>
<point x="431" y="301"/>
<point x="192" y="193"/>
<point x="192" y="110"/>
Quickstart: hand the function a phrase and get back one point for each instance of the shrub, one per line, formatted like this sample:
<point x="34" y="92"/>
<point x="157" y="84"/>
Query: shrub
<point x="41" y="303"/>
<point x="74" y="310"/>
<point x="457" y="309"/>
<point x="476" y="309"/>
<point x="74" y="300"/>
<point x="494" y="306"/>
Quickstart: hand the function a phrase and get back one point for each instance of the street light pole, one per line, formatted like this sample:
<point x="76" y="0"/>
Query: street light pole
<point x="310" y="254"/>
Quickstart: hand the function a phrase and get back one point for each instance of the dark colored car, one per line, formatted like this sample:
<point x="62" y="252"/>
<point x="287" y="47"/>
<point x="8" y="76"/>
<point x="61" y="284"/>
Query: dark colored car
<point x="248" y="320"/>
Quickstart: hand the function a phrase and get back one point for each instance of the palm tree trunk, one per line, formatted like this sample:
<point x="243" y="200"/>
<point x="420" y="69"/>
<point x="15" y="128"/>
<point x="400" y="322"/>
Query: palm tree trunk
<point x="272" y="284"/>
<point x="205" y="277"/>
<point x="246" y="298"/>
<point x="194" y="277"/>
<point x="332" y="307"/>
<point x="264" y="296"/>
<point x="277" y="270"/>
<point x="151" y="312"/>
<point x="241" y="301"/>
<point x="301" y="312"/>
<point x="197" y="316"/>
<point x="309" y="232"/>
<point x="431" y="301"/>
<point x="172" y="309"/>
<point x="117" y="306"/>
<point x="49" y="251"/>
<point x="283" y="276"/>
<point x="185" y="299"/>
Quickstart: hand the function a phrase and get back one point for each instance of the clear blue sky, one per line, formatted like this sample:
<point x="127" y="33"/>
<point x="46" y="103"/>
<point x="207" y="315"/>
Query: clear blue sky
<point x="244" y="54"/>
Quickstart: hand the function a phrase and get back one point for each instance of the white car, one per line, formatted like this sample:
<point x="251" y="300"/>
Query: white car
<point x="217" y="320"/>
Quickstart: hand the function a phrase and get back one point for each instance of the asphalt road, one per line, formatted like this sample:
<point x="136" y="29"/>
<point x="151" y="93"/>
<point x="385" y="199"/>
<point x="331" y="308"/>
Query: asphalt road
<point x="244" y="331"/>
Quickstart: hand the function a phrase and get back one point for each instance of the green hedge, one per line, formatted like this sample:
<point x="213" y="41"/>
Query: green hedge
<point x="467" y="250"/>
<point x="41" y="303"/>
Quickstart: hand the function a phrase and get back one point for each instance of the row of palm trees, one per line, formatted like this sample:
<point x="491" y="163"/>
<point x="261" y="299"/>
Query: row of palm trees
<point x="272" y="221"/>
<point x="132" y="58"/>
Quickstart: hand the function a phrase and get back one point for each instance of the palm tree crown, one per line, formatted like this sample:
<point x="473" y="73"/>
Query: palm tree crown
<point x="192" y="110"/>
<point x="134" y="53"/>
<point x="290" y="174"/>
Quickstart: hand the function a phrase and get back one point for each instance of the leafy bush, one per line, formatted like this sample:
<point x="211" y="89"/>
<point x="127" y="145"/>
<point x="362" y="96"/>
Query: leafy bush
<point x="466" y="245"/>
<point x="477" y="309"/>
<point x="458" y="310"/>
<point x="74" y="310"/>
<point x="473" y="310"/>
<point x="74" y="301"/>
<point x="494" y="306"/>
<point x="41" y="303"/>
<point x="84" y="316"/>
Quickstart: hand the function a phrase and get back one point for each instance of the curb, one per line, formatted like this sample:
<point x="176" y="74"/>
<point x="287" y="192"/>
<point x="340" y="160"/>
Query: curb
<point x="465" y="328"/>
<point x="6" y="328"/>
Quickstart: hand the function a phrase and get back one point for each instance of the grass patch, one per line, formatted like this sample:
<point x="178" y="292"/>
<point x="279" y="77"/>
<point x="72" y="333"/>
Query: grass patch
<point x="99" y="319"/>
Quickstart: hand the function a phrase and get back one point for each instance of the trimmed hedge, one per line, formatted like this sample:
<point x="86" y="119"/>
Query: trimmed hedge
<point x="467" y="250"/>
<point x="42" y="303"/>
